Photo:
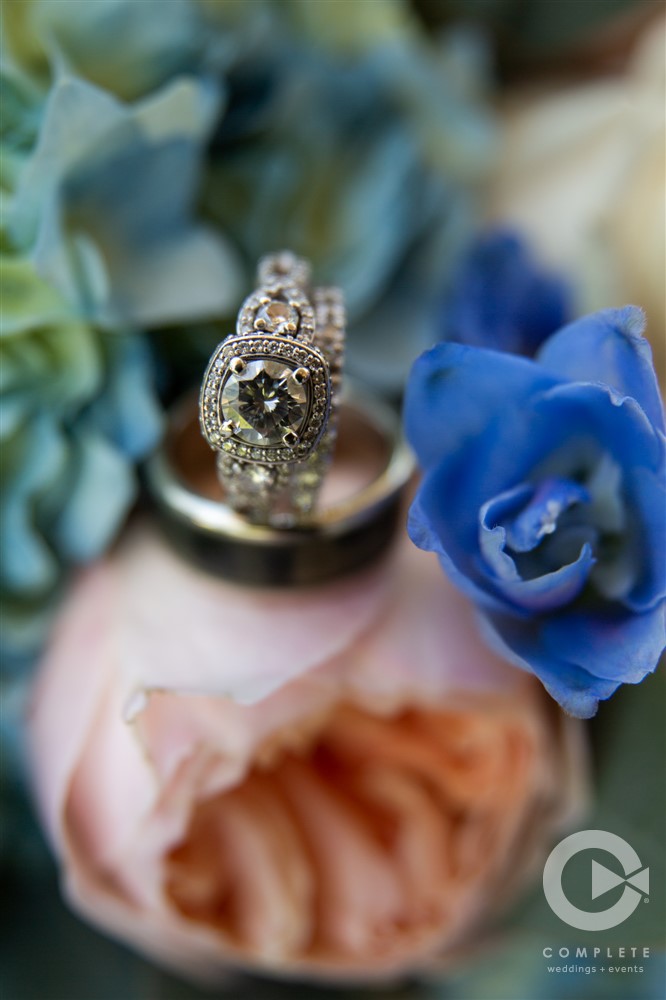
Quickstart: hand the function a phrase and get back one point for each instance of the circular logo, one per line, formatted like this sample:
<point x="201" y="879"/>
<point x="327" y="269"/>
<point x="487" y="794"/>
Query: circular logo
<point x="635" y="881"/>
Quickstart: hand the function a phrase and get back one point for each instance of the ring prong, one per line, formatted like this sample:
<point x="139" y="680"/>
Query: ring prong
<point x="301" y="375"/>
<point x="290" y="439"/>
<point x="264" y="300"/>
<point x="237" y="365"/>
<point x="228" y="428"/>
<point x="290" y="327"/>
<point x="260" y="323"/>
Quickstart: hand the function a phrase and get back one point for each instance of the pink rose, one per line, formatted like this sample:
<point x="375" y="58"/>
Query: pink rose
<point x="341" y="782"/>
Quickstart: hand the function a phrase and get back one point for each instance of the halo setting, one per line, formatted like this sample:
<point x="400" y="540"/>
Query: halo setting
<point x="265" y="408"/>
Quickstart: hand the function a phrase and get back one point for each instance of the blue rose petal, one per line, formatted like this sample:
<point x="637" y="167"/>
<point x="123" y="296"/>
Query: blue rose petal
<point x="581" y="658"/>
<point x="539" y="518"/>
<point x="492" y="532"/>
<point x="502" y="298"/>
<point x="614" y="645"/>
<point x="608" y="347"/>
<point x="550" y="590"/>
<point x="546" y="589"/>
<point x="648" y="492"/>
<point x="454" y="392"/>
<point x="573" y="687"/>
<point x="427" y="529"/>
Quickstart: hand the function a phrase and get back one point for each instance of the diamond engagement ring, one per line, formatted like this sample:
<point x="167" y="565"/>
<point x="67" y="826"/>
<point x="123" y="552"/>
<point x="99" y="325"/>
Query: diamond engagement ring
<point x="269" y="397"/>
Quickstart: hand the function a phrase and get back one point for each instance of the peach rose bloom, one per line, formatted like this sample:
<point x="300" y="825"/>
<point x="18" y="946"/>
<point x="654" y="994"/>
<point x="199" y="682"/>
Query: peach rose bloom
<point x="338" y="783"/>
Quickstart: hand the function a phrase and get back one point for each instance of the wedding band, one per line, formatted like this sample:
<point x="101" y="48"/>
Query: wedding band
<point x="355" y="522"/>
<point x="269" y="397"/>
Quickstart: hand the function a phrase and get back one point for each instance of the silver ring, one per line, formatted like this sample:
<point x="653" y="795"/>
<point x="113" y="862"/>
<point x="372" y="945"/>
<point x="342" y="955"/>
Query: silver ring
<point x="269" y="397"/>
<point x="349" y="529"/>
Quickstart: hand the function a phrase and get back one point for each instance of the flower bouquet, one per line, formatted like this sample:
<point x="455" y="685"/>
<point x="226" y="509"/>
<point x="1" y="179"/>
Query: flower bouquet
<point x="439" y="774"/>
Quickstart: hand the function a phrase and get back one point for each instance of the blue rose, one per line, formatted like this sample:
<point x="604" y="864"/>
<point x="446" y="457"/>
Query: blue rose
<point x="544" y="496"/>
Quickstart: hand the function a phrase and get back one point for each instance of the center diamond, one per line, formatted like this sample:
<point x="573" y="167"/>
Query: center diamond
<point x="264" y="401"/>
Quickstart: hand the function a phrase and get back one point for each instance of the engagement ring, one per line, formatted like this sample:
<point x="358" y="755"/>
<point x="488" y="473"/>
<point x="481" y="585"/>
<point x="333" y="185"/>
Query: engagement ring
<point x="269" y="397"/>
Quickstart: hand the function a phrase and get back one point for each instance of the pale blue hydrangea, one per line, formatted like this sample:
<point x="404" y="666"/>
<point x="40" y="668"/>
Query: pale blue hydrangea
<point x="77" y="410"/>
<point x="104" y="205"/>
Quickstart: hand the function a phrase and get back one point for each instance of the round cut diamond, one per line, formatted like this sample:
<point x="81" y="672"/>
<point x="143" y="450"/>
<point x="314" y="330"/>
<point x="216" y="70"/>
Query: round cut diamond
<point x="276" y="313"/>
<point x="264" y="402"/>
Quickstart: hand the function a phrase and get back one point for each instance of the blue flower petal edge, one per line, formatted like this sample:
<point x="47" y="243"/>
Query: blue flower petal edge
<point x="503" y="298"/>
<point x="544" y="497"/>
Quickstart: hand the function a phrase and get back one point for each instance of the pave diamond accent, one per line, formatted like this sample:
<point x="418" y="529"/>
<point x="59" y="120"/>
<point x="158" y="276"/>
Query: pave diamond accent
<point x="264" y="402"/>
